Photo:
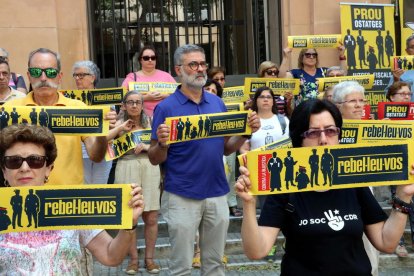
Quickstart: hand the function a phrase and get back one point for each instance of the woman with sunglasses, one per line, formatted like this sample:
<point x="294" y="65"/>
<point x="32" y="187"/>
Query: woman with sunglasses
<point x="27" y="154"/>
<point x="308" y="70"/>
<point x="149" y="73"/>
<point x="217" y="74"/>
<point x="400" y="91"/>
<point x="334" y="246"/>
<point x="134" y="166"/>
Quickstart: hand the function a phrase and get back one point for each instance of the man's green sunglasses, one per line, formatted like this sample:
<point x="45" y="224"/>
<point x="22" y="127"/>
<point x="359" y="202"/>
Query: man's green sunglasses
<point x="51" y="73"/>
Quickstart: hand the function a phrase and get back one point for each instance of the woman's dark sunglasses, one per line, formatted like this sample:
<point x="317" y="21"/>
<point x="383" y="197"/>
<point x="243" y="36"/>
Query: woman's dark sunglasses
<point x="314" y="55"/>
<point x="51" y="73"/>
<point x="271" y="72"/>
<point x="146" y="58"/>
<point x="14" y="162"/>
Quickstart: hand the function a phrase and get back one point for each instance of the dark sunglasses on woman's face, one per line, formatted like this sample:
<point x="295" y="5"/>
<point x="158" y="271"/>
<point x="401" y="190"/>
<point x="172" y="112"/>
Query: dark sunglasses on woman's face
<point x="34" y="161"/>
<point x="314" y="55"/>
<point x="147" y="58"/>
<point x="271" y="72"/>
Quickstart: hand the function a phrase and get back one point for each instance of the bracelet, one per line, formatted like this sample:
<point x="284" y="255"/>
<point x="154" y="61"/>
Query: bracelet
<point x="163" y="146"/>
<point x="247" y="136"/>
<point x="401" y="206"/>
<point x="342" y="57"/>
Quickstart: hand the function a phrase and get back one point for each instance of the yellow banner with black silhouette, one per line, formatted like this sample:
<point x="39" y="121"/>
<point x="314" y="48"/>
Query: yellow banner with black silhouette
<point x="104" y="96"/>
<point x="402" y="62"/>
<point x="126" y="142"/>
<point x="234" y="94"/>
<point x="59" y="119"/>
<point x="375" y="131"/>
<point x="314" y="41"/>
<point x="278" y="86"/>
<point x="161" y="87"/>
<point x="187" y="128"/>
<point x="330" y="167"/>
<point x="367" y="81"/>
<point x="76" y="207"/>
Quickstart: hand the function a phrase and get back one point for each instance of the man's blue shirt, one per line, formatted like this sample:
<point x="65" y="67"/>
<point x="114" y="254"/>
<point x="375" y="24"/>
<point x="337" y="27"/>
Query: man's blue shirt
<point x="193" y="169"/>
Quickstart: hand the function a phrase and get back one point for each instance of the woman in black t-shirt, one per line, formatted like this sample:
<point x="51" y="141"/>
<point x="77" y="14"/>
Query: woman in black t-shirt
<point x="323" y="230"/>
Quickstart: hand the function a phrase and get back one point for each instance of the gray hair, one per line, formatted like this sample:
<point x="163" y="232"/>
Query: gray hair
<point x="342" y="89"/>
<point x="6" y="54"/>
<point x="144" y="118"/>
<point x="335" y="68"/>
<point x="45" y="51"/>
<point x="186" y="49"/>
<point x="92" y="68"/>
<point x="407" y="42"/>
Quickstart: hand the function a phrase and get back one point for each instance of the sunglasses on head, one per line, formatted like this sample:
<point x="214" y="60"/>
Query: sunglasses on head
<point x="147" y="58"/>
<point x="272" y="72"/>
<point x="51" y="73"/>
<point x="14" y="162"/>
<point x="314" y="55"/>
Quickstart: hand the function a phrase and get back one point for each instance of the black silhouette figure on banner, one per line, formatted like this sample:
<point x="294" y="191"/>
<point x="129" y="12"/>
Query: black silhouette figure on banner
<point x="180" y="129"/>
<point x="31" y="207"/>
<point x="124" y="147"/>
<point x="193" y="133"/>
<point x="188" y="125"/>
<point x="207" y="125"/>
<point x="14" y="116"/>
<point x="302" y="178"/>
<point x="389" y="47"/>
<point x="327" y="167"/>
<point x="361" y="48"/>
<point x="314" y="165"/>
<point x="4" y="219"/>
<point x="404" y="63"/>
<point x="43" y="118"/>
<point x="66" y="94"/>
<point x="4" y="118"/>
<point x="200" y="127"/>
<point x="83" y="95"/>
<point x="372" y="59"/>
<point x="289" y="168"/>
<point x="89" y="97"/>
<point x="128" y="140"/>
<point x="409" y="66"/>
<point x="119" y="144"/>
<point x="380" y="46"/>
<point x="72" y="95"/>
<point x="115" y="147"/>
<point x="399" y="63"/>
<point x="350" y="45"/>
<point x="33" y="116"/>
<point x="274" y="167"/>
<point x="16" y="202"/>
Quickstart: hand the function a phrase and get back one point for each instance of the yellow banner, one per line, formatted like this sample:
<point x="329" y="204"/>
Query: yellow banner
<point x="64" y="120"/>
<point x="375" y="131"/>
<point x="76" y="207"/>
<point x="234" y="94"/>
<point x="105" y="96"/>
<point x="161" y="87"/>
<point x="314" y="41"/>
<point x="231" y="107"/>
<point x="330" y="167"/>
<point x="367" y="81"/>
<point x="402" y="62"/>
<point x="126" y="142"/>
<point x="278" y="86"/>
<point x="187" y="128"/>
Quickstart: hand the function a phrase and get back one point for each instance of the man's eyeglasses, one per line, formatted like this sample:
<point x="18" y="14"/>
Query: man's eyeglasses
<point x="219" y="79"/>
<point x="147" y="58"/>
<point x="355" y="102"/>
<point x="314" y="55"/>
<point x="316" y="133"/>
<point x="265" y="97"/>
<point x="51" y="73"/>
<point x="14" y="162"/>
<point x="132" y="103"/>
<point x="271" y="72"/>
<point x="404" y="94"/>
<point x="80" y="75"/>
<point x="194" y="65"/>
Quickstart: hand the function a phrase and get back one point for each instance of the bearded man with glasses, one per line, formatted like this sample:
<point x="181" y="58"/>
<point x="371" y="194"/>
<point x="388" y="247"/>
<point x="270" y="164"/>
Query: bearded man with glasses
<point x="44" y="73"/>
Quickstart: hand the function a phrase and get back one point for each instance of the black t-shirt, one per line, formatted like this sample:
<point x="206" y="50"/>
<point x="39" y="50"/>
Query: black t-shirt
<point x="323" y="230"/>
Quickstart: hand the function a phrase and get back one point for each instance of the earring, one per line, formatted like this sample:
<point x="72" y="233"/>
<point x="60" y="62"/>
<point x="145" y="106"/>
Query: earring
<point x="46" y="179"/>
<point x="6" y="184"/>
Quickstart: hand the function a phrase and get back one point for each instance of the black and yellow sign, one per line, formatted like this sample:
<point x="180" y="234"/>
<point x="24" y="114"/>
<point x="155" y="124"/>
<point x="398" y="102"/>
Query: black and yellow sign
<point x="375" y="131"/>
<point x="234" y="94"/>
<point x="231" y="107"/>
<point x="330" y="167"/>
<point x="105" y="96"/>
<point x="367" y="81"/>
<point x="126" y="142"/>
<point x="402" y="62"/>
<point x="75" y="207"/>
<point x="59" y="119"/>
<point x="187" y="128"/>
<point x="278" y="86"/>
<point x="396" y="110"/>
<point x="161" y="87"/>
<point x="314" y="41"/>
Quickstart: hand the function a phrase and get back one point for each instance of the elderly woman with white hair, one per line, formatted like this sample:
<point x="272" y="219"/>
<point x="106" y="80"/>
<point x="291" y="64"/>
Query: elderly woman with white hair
<point x="350" y="99"/>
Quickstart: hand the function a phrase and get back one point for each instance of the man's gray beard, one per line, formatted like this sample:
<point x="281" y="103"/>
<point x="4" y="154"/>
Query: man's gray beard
<point x="41" y="84"/>
<point x="192" y="82"/>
